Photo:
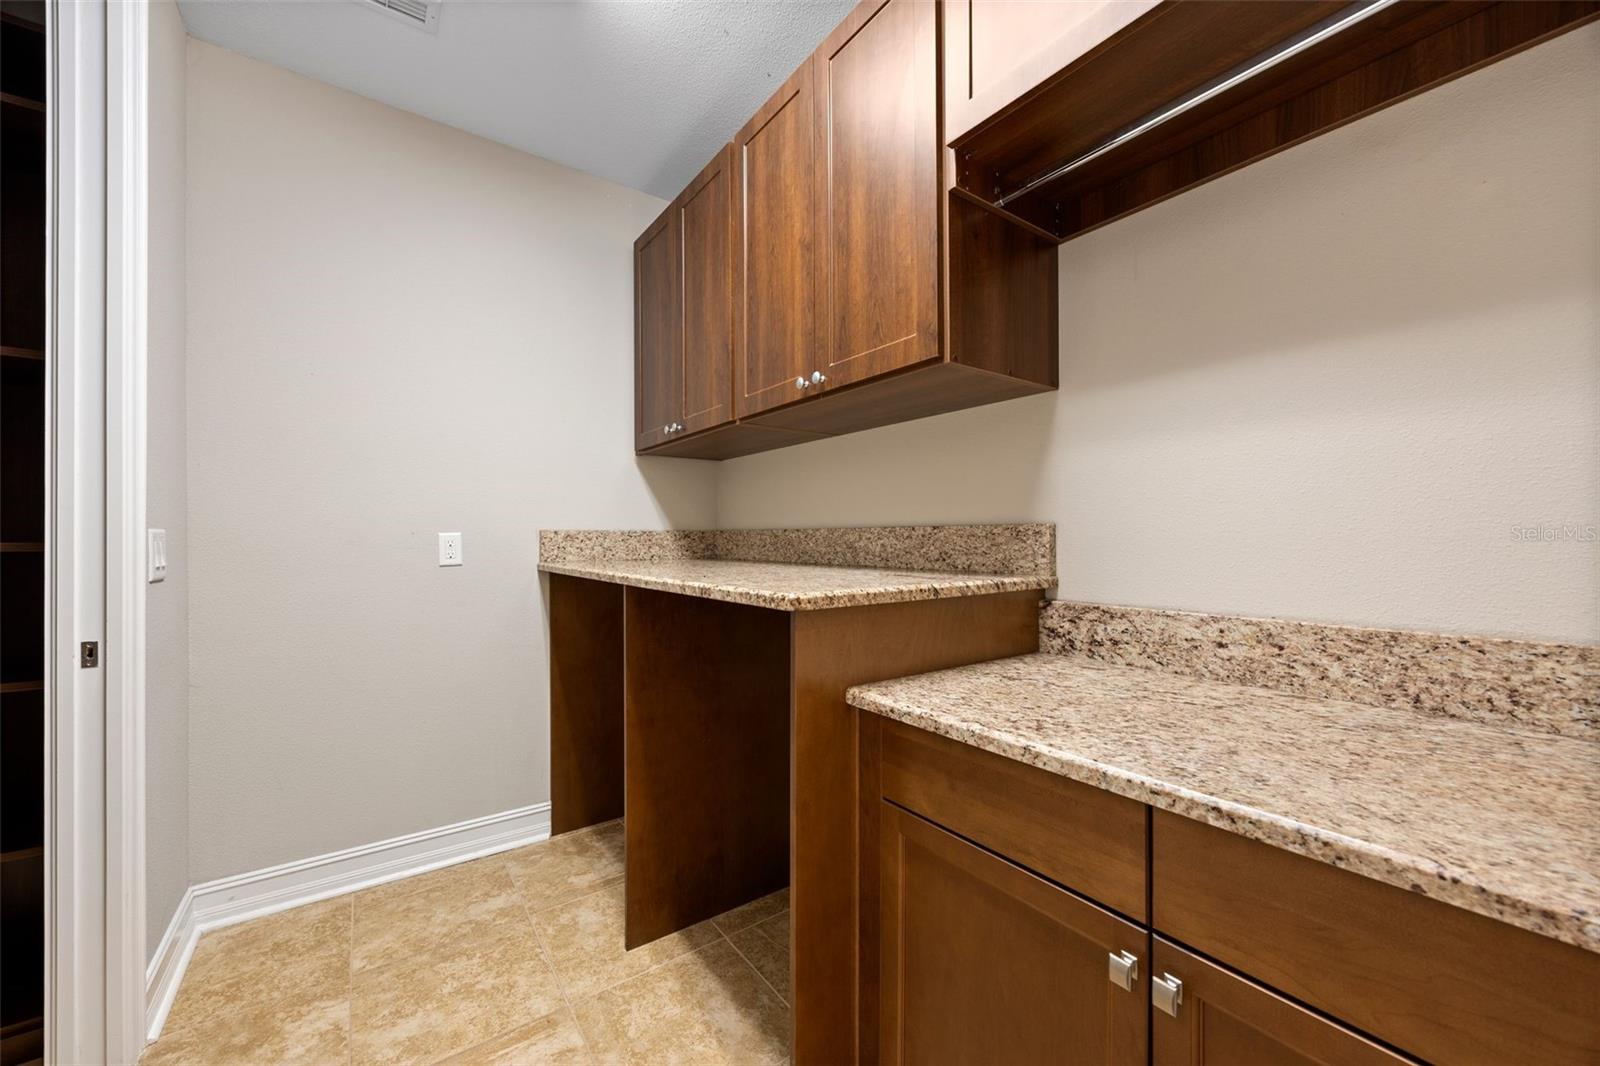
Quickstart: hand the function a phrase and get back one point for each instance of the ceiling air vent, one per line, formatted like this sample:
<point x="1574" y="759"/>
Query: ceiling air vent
<point x="423" y="14"/>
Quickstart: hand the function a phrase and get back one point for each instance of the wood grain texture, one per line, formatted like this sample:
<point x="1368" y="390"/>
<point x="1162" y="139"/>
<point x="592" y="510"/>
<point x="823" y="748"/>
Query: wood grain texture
<point x="1178" y="47"/>
<point x="1004" y="296"/>
<point x="1085" y="838"/>
<point x="657" y="331"/>
<point x="984" y="962"/>
<point x="731" y="440"/>
<point x="1225" y="1018"/>
<point x="876" y="99"/>
<point x="1431" y="979"/>
<point x="833" y="650"/>
<point x="706" y="749"/>
<point x="705" y="226"/>
<point x="775" y="167"/>
<point x="585" y="702"/>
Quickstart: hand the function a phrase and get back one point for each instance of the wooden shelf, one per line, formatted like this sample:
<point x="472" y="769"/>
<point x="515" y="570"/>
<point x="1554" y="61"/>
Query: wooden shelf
<point x="1084" y="116"/>
<point x="21" y="854"/>
<point x="13" y="100"/>
<point x="11" y="351"/>
<point x="21" y="686"/>
<point x="28" y="546"/>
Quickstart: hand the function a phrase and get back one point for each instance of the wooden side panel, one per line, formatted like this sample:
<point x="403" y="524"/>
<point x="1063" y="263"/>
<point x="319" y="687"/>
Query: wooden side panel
<point x="1004" y="295"/>
<point x="707" y="758"/>
<point x="705" y="223"/>
<point x="775" y="163"/>
<point x="1082" y="837"/>
<point x="1434" y="980"/>
<point x="1224" y="1018"/>
<point x="657" y="332"/>
<point x="983" y="962"/>
<point x="877" y="120"/>
<point x="832" y="651"/>
<point x="585" y="702"/>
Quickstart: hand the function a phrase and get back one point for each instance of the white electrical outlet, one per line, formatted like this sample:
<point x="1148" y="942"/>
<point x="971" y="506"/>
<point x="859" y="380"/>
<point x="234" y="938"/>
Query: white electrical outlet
<point x="155" y="556"/>
<point x="449" y="549"/>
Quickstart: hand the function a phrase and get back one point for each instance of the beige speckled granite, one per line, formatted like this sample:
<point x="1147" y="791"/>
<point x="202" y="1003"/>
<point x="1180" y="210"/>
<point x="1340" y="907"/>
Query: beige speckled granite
<point x="812" y="569"/>
<point x="1017" y="548"/>
<point x="1552" y="687"/>
<point x="791" y="587"/>
<point x="1499" y="821"/>
<point x="566" y="545"/>
<point x="1022" y="548"/>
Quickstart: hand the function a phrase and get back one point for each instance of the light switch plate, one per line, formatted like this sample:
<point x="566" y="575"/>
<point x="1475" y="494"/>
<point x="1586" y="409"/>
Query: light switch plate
<point x="155" y="556"/>
<point x="449" y="549"/>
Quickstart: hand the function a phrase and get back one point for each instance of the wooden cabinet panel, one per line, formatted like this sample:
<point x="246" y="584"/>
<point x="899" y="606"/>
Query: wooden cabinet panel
<point x="775" y="163"/>
<point x="876" y="85"/>
<point x="657" y="342"/>
<point x="1429" y="978"/>
<point x="1224" y="1018"/>
<point x="997" y="50"/>
<point x="1086" y="838"/>
<point x="705" y="224"/>
<point x="982" y="962"/>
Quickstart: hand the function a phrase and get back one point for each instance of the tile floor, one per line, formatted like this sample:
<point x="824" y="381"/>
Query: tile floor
<point x="512" y="959"/>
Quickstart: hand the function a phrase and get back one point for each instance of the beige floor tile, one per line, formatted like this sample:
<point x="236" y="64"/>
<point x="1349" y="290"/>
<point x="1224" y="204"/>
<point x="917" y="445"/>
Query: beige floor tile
<point x="777" y="930"/>
<point x="268" y="979"/>
<point x="304" y="1031"/>
<point x="584" y="938"/>
<point x="456" y="904"/>
<point x="753" y="912"/>
<point x="255" y="948"/>
<point x="769" y="956"/>
<point x="704" y="1008"/>
<point x="553" y="1040"/>
<point x="451" y="999"/>
<point x="568" y="866"/>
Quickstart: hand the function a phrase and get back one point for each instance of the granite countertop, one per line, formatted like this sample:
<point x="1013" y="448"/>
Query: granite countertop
<point x="793" y="586"/>
<point x="1504" y="822"/>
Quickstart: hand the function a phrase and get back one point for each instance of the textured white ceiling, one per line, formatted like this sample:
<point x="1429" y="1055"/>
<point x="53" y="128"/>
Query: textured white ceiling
<point x="642" y="93"/>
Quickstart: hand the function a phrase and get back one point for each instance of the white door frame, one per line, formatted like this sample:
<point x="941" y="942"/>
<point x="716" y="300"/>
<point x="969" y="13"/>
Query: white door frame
<point x="127" y="138"/>
<point x="75" y="536"/>
<point x="94" y="809"/>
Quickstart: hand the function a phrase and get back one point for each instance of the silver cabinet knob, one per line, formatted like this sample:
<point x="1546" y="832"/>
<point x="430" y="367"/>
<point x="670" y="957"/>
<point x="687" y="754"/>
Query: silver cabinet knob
<point x="801" y="383"/>
<point x="666" y="429"/>
<point x="818" y="377"/>
<point x="1166" y="992"/>
<point x="1124" y="970"/>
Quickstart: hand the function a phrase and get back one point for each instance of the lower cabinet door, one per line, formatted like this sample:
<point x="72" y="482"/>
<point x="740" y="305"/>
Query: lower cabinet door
<point x="1202" y="1013"/>
<point x="983" y="962"/>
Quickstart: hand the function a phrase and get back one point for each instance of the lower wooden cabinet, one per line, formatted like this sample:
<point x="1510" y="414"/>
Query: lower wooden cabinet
<point x="983" y="962"/>
<point x="1202" y="1013"/>
<point x="1006" y="921"/>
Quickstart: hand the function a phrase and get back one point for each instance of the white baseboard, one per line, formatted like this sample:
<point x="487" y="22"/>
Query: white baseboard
<point x="230" y="900"/>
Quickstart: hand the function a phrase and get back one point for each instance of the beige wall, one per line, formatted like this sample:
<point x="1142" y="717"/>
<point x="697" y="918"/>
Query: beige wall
<point x="395" y="329"/>
<point x="166" y="504"/>
<point x="1326" y="387"/>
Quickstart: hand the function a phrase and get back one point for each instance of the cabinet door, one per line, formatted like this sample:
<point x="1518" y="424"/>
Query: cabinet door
<point x="705" y="224"/>
<point x="982" y="962"/>
<point x="1221" y="1017"/>
<point x="657" y="332"/>
<point x="998" y="50"/>
<point x="775" y="164"/>
<point x="877" y="122"/>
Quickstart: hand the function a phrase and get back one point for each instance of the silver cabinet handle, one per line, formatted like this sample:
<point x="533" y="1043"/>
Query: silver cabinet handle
<point x="677" y="427"/>
<point x="801" y="383"/>
<point x="666" y="429"/>
<point x="818" y="377"/>
<point x="1124" y="969"/>
<point x="1166" y="992"/>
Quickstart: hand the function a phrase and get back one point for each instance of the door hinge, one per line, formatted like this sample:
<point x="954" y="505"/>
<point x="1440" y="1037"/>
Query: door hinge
<point x="89" y="654"/>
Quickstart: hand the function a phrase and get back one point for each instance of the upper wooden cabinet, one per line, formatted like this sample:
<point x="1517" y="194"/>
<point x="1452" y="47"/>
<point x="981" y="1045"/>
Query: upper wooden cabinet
<point x="657" y="332"/>
<point x="704" y="217"/>
<point x="775" y="162"/>
<point x="995" y="51"/>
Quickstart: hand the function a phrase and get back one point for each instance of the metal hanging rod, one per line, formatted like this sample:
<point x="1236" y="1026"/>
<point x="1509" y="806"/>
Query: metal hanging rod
<point x="1329" y="27"/>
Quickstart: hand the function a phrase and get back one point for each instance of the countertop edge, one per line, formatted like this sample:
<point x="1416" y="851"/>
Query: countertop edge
<point x="951" y="586"/>
<point x="1414" y="873"/>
